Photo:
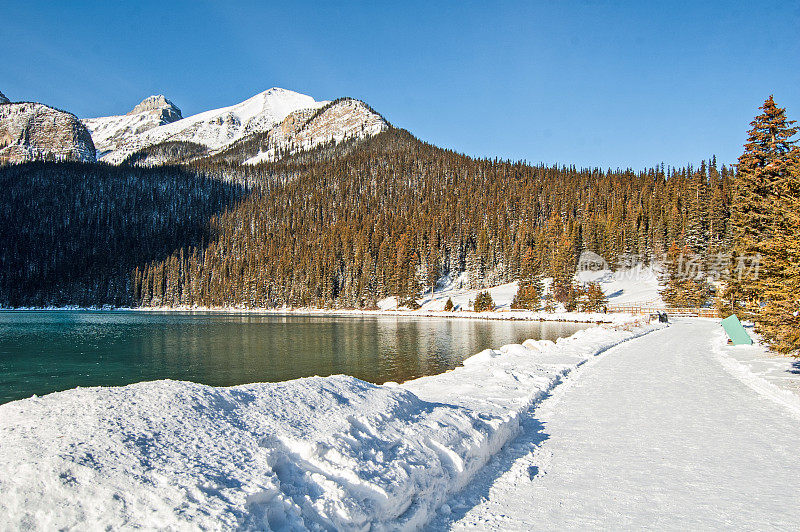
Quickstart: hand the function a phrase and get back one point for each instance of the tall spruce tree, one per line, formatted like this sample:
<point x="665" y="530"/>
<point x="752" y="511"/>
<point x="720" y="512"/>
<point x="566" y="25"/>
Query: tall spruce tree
<point x="780" y="316"/>
<point x="765" y="225"/>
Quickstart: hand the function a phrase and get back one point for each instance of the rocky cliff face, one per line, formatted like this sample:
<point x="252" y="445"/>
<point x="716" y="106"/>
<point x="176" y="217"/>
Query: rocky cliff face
<point x="33" y="131"/>
<point x="160" y="107"/>
<point x="343" y="119"/>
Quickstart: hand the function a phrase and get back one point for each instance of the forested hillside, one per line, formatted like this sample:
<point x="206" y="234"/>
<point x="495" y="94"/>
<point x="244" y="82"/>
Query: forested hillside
<point x="340" y="226"/>
<point x="394" y="215"/>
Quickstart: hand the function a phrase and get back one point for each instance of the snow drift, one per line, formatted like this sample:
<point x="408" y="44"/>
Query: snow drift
<point x="331" y="453"/>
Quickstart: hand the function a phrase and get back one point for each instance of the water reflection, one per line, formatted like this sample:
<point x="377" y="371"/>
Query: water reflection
<point x="41" y="352"/>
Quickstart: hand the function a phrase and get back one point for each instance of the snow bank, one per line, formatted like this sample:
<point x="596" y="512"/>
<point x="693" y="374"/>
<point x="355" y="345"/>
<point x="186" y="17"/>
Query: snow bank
<point x="773" y="376"/>
<point x="317" y="453"/>
<point x="638" y="285"/>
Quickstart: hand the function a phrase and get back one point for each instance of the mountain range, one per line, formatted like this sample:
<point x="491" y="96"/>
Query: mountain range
<point x="262" y="128"/>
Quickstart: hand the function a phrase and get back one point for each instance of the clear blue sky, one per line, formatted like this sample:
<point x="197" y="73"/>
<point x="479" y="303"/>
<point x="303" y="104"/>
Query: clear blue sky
<point x="586" y="83"/>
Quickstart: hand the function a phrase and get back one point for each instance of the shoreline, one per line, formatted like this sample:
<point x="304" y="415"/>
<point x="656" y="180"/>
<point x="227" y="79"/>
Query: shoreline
<point x="617" y="318"/>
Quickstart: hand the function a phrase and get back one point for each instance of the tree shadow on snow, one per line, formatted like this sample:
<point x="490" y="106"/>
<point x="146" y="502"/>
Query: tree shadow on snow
<point x="795" y="367"/>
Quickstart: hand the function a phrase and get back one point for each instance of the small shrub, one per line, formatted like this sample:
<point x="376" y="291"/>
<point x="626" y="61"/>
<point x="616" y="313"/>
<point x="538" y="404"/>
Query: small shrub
<point x="410" y="303"/>
<point x="448" y="307"/>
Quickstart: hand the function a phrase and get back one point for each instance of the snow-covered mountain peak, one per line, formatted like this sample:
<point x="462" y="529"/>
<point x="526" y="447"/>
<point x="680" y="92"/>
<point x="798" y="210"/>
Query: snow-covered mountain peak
<point x="279" y="120"/>
<point x="3" y="98"/>
<point x="158" y="103"/>
<point x="214" y="129"/>
<point x="110" y="133"/>
<point x="268" y="108"/>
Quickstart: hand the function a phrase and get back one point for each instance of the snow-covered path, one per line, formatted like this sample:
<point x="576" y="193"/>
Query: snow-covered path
<point x="654" y="433"/>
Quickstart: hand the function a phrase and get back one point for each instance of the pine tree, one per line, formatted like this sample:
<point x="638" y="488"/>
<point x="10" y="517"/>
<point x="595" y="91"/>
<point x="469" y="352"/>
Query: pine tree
<point x="529" y="294"/>
<point x="483" y="302"/>
<point x="763" y="170"/>
<point x="779" y="317"/>
<point x="697" y="215"/>
<point x="575" y="298"/>
<point x="596" y="300"/>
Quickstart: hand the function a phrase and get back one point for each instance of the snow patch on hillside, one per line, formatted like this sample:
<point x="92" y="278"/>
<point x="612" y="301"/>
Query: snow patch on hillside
<point x="316" y="453"/>
<point x="637" y="285"/>
<point x="343" y="120"/>
<point x="463" y="298"/>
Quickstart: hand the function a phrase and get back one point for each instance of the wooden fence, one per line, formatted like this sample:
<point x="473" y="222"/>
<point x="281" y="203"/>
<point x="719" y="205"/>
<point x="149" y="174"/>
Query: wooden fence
<point x="671" y="311"/>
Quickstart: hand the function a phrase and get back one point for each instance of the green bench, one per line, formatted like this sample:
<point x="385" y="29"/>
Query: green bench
<point x="735" y="331"/>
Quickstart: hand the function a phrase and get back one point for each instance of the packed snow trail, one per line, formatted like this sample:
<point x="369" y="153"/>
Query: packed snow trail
<point x="655" y="433"/>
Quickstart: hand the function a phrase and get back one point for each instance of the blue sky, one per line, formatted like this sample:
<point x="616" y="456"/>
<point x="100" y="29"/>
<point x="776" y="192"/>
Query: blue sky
<point x="591" y="83"/>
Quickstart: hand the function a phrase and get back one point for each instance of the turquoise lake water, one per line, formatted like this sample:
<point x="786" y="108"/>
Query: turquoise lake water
<point x="48" y="351"/>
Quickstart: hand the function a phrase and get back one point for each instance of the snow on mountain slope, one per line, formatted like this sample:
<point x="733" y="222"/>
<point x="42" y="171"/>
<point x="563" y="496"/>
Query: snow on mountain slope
<point x="341" y="120"/>
<point x="111" y="133"/>
<point x="218" y="128"/>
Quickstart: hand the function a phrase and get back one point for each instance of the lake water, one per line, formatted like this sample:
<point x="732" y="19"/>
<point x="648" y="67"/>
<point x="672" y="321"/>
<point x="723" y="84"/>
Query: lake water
<point x="47" y="351"/>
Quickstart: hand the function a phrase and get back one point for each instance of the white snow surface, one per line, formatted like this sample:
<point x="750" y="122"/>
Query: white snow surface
<point x="774" y="376"/>
<point x="331" y="453"/>
<point x="463" y="298"/>
<point x="627" y="286"/>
